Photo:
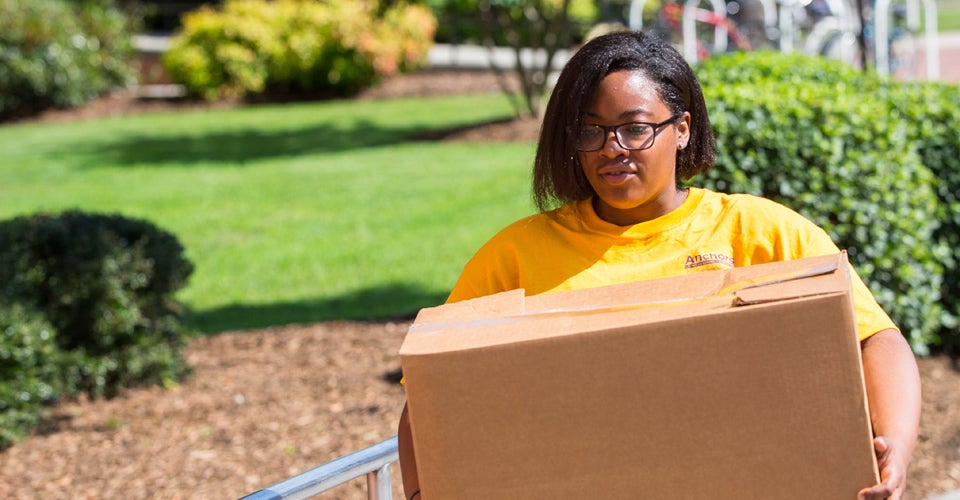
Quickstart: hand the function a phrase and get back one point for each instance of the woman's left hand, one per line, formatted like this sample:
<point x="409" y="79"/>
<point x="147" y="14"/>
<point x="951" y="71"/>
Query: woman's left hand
<point x="893" y="472"/>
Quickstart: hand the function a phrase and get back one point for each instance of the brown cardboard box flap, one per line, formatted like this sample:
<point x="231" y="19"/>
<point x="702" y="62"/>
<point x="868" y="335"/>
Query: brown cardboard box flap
<point x="630" y="303"/>
<point x="741" y="384"/>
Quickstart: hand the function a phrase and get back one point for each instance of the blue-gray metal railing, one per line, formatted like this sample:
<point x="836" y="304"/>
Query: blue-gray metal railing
<point x="374" y="462"/>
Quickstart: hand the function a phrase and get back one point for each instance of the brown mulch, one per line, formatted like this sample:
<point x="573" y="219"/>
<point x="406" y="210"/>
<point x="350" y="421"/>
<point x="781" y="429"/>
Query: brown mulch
<point x="260" y="406"/>
<point x="263" y="405"/>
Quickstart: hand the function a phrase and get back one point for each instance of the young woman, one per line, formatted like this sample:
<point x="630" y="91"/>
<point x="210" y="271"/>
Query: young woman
<point x="626" y="121"/>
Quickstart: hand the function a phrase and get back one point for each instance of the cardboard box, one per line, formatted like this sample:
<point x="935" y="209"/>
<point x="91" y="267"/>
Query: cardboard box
<point x="739" y="384"/>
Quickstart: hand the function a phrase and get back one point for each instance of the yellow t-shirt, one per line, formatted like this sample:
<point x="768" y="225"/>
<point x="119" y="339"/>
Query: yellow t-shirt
<point x="572" y="248"/>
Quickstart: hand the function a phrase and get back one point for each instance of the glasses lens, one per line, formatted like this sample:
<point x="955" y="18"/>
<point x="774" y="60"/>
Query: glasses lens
<point x="590" y="138"/>
<point x="635" y="135"/>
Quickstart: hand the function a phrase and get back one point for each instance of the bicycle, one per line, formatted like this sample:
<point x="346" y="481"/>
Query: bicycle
<point x="858" y="39"/>
<point x="700" y="31"/>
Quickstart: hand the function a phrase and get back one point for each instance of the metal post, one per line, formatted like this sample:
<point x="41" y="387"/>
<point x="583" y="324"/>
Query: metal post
<point x="881" y="36"/>
<point x="636" y="14"/>
<point x="379" y="485"/>
<point x="932" y="38"/>
<point x="788" y="31"/>
<point x="769" y="15"/>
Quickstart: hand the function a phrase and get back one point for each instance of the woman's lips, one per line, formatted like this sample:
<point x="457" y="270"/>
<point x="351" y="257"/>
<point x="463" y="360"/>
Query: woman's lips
<point x="615" y="174"/>
<point x="616" y="177"/>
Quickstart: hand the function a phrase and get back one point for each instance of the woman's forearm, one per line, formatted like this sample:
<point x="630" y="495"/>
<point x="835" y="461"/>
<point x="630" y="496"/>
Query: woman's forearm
<point x="893" y="388"/>
<point x="893" y="392"/>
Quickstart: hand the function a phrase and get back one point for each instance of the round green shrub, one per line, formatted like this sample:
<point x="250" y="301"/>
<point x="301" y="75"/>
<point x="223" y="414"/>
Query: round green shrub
<point x="106" y="284"/>
<point x="56" y="53"/>
<point x="829" y="153"/>
<point x="28" y="370"/>
<point x="254" y="47"/>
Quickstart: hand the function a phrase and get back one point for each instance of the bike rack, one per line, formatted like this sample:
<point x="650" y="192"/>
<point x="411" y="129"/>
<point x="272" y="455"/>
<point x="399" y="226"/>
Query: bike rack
<point x="720" y="33"/>
<point x="844" y="22"/>
<point x="635" y="20"/>
<point x="882" y="37"/>
<point x="374" y="462"/>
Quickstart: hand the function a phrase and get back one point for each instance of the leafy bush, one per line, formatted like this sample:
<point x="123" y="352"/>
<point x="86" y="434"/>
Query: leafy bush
<point x="929" y="112"/>
<point x="56" y="53"/>
<point x="105" y="284"/>
<point x="335" y="48"/>
<point x="740" y="68"/>
<point x="822" y="149"/>
<point x="28" y="362"/>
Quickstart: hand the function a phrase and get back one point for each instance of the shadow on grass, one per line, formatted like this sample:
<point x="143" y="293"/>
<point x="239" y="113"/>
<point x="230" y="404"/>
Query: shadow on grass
<point x="239" y="146"/>
<point x="391" y="302"/>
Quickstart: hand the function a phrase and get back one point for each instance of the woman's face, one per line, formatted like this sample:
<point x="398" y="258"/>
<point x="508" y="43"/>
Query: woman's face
<point x="633" y="186"/>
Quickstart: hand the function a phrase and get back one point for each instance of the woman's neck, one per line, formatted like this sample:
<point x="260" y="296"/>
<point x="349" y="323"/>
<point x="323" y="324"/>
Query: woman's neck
<point x="643" y="213"/>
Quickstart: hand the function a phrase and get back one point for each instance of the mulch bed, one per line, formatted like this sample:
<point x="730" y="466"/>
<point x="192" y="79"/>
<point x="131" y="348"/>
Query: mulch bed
<point x="264" y="405"/>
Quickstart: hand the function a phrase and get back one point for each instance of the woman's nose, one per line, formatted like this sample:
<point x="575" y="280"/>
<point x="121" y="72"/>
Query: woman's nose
<point x="611" y="146"/>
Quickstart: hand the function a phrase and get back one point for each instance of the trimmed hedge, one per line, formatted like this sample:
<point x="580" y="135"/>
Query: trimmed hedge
<point x="929" y="112"/>
<point x="87" y="307"/>
<point x="334" y="48"/>
<point x="59" y="53"/>
<point x="827" y="141"/>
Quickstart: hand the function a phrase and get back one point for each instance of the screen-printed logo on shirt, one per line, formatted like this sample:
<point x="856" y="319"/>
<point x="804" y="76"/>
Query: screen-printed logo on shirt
<point x="708" y="261"/>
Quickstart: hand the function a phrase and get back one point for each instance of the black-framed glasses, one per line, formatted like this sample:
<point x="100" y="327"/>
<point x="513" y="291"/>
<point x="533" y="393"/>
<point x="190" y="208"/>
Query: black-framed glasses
<point x="633" y="136"/>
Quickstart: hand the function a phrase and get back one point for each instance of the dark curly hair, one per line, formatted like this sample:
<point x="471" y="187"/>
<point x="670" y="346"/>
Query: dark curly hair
<point x="557" y="176"/>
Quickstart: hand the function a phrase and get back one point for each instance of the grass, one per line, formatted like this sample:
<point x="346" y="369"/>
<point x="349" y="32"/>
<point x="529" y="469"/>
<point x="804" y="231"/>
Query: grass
<point x="290" y="213"/>
<point x="948" y="18"/>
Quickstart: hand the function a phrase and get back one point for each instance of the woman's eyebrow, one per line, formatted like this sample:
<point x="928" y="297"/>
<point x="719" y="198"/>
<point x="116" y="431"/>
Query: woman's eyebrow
<point x="630" y="113"/>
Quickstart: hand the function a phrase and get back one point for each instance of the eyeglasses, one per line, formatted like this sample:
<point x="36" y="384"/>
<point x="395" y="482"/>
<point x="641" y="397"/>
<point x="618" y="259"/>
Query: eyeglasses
<point x="633" y="136"/>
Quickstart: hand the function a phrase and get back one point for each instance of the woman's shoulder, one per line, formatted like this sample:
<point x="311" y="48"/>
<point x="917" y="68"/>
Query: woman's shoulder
<point x="757" y="215"/>
<point x="565" y="215"/>
<point x="746" y="204"/>
<point x="533" y="229"/>
<point x="744" y="200"/>
<point x="527" y="223"/>
<point x="763" y="223"/>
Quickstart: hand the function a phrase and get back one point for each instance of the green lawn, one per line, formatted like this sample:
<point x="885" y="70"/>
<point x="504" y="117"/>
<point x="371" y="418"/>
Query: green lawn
<point x="948" y="17"/>
<point x="290" y="213"/>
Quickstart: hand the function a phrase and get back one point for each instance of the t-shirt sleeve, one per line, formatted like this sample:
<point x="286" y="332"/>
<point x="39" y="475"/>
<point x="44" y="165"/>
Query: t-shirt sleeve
<point x="801" y="238"/>
<point x="492" y="269"/>
<point x="871" y="318"/>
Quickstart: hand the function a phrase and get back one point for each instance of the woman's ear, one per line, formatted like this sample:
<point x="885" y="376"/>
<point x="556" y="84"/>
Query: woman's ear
<point x="683" y="129"/>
